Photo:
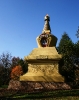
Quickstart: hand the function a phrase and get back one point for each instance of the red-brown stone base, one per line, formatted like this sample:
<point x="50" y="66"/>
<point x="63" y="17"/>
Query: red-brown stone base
<point x="37" y="86"/>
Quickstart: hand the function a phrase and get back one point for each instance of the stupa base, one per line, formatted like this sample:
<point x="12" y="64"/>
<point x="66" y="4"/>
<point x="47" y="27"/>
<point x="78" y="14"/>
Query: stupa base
<point x="42" y="78"/>
<point x="43" y="65"/>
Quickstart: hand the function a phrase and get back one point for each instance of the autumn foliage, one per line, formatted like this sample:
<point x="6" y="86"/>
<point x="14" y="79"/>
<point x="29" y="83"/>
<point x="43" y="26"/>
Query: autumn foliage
<point x="16" y="72"/>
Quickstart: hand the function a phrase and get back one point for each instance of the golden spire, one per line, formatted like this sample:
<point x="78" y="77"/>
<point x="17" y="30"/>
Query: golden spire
<point x="46" y="28"/>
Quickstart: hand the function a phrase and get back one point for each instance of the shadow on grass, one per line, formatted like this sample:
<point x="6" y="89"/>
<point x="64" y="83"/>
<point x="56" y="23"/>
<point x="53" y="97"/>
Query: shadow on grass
<point x="42" y="94"/>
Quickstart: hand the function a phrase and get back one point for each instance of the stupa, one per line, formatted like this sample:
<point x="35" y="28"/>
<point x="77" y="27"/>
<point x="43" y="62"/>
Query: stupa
<point x="43" y="61"/>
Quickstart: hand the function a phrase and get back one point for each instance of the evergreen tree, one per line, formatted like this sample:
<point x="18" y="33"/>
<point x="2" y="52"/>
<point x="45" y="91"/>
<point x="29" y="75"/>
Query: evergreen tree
<point x="77" y="49"/>
<point x="77" y="61"/>
<point x="77" y="33"/>
<point x="66" y="48"/>
<point x="65" y="45"/>
<point x="24" y="65"/>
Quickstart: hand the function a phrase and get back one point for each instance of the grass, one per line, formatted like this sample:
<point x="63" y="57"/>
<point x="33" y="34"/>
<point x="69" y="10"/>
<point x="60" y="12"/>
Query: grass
<point x="63" y="98"/>
<point x="4" y="86"/>
<point x="53" y="94"/>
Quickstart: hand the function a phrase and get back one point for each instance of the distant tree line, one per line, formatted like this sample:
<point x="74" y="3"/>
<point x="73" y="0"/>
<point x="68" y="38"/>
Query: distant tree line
<point x="7" y="65"/>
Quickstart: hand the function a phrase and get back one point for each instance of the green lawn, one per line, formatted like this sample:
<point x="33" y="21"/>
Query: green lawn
<point x="4" y="86"/>
<point x="56" y="95"/>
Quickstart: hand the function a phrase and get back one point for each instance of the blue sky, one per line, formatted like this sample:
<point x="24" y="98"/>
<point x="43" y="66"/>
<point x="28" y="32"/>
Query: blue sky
<point x="21" y="21"/>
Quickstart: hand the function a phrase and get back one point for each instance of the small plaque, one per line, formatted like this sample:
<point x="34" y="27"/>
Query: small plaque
<point x="42" y="57"/>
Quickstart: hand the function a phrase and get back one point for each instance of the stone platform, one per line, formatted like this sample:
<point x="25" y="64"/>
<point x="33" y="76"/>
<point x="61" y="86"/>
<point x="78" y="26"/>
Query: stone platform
<point x="34" y="86"/>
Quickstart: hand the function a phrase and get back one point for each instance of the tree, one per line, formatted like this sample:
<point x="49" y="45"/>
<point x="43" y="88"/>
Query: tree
<point x="77" y="49"/>
<point x="1" y="74"/>
<point x="65" y="44"/>
<point x="15" y="61"/>
<point x="77" y="33"/>
<point x="66" y="48"/>
<point x="77" y="62"/>
<point x="24" y="65"/>
<point x="20" y="67"/>
<point x="16" y="72"/>
<point x="5" y="61"/>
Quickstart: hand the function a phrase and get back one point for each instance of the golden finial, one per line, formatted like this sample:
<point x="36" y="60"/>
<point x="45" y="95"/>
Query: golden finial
<point x="46" y="28"/>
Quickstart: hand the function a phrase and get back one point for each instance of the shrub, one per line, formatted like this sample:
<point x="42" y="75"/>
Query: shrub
<point x="16" y="72"/>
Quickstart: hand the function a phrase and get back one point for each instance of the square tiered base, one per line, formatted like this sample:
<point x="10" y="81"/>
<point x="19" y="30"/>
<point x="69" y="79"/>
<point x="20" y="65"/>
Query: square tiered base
<point x="43" y="72"/>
